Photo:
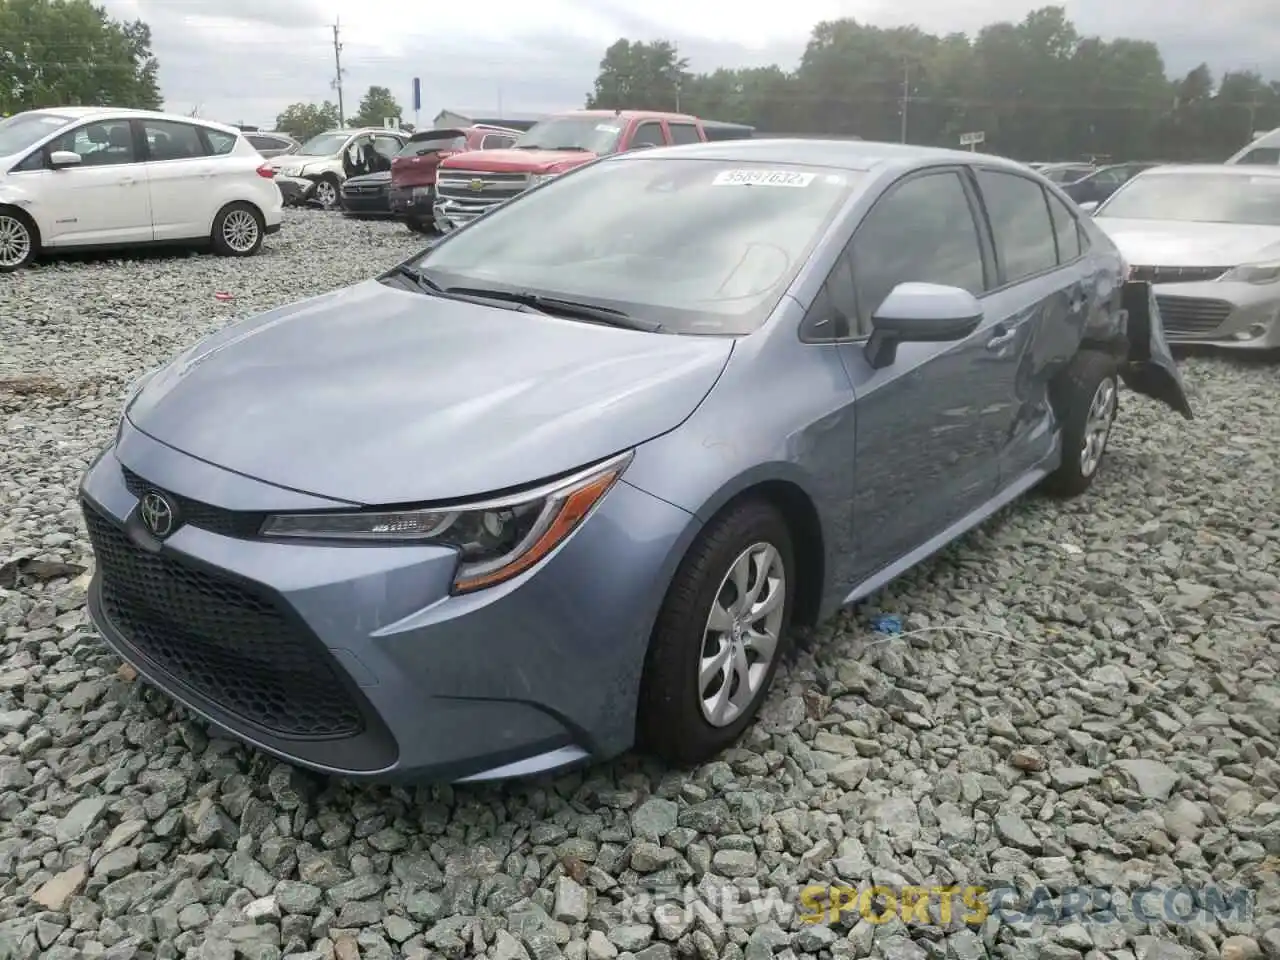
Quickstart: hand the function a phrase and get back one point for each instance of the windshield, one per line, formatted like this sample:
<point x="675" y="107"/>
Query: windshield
<point x="596" y="134"/>
<point x="698" y="246"/>
<point x="324" y="145"/>
<point x="27" y="129"/>
<point x="1198" y="198"/>
<point x="416" y="148"/>
<point x="1066" y="174"/>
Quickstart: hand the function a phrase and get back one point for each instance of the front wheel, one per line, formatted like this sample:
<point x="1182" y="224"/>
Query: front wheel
<point x="18" y="244"/>
<point x="417" y="226"/>
<point x="238" y="230"/>
<point x="719" y="636"/>
<point x="1087" y="399"/>
<point x="326" y="191"/>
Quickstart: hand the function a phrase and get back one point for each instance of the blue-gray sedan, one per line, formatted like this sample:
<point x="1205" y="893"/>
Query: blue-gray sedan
<point x="560" y="484"/>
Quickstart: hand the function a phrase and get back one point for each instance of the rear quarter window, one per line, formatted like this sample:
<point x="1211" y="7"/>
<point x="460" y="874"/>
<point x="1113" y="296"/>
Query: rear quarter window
<point x="220" y="143"/>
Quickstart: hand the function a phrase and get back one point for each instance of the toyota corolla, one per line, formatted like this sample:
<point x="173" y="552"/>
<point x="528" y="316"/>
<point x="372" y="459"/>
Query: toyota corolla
<point x="561" y="484"/>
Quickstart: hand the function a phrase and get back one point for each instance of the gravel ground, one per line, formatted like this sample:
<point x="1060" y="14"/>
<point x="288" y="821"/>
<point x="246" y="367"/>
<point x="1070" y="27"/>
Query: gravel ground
<point x="1085" y="694"/>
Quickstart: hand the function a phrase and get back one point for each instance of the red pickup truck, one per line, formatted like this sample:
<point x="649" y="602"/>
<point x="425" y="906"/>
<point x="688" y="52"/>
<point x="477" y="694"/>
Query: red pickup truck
<point x="469" y="184"/>
<point x="413" y="169"/>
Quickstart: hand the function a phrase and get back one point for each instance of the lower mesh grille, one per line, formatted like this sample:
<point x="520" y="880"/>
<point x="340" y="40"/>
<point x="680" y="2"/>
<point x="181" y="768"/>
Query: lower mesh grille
<point x="221" y="639"/>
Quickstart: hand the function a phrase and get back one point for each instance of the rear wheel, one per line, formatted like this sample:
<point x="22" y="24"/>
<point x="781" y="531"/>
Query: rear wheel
<point x="1087" y="398"/>
<point x="238" y="230"/>
<point x="18" y="240"/>
<point x="719" y="636"/>
<point x="418" y="226"/>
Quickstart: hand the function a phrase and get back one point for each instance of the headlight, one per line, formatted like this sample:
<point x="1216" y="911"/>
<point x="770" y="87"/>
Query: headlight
<point x="495" y="539"/>
<point x="540" y="178"/>
<point x="1253" y="273"/>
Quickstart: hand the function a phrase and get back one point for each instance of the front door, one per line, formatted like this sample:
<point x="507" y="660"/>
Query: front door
<point x="925" y="453"/>
<point x="104" y="199"/>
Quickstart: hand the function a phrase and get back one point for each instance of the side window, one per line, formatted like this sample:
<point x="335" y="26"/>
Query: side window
<point x="101" y="144"/>
<point x="219" y="143"/>
<point x="1020" y="224"/>
<point x="921" y="231"/>
<point x="683" y="133"/>
<point x="496" y="141"/>
<point x="387" y="146"/>
<point x="33" y="161"/>
<point x="1065" y="229"/>
<point x="648" y="133"/>
<point x="1262" y="156"/>
<point x="172" y="141"/>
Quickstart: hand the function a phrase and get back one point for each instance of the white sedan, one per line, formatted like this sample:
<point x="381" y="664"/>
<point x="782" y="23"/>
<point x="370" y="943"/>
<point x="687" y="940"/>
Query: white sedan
<point x="1208" y="240"/>
<point x="94" y="177"/>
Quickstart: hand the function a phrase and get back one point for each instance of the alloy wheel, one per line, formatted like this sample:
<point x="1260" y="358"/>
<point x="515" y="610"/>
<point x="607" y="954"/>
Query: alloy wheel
<point x="742" y="634"/>
<point x="1097" y="427"/>
<point x="240" y="230"/>
<point x="15" y="241"/>
<point x="326" y="193"/>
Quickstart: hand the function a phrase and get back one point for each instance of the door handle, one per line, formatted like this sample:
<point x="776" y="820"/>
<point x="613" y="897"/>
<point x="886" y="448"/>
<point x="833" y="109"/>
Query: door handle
<point x="1001" y="338"/>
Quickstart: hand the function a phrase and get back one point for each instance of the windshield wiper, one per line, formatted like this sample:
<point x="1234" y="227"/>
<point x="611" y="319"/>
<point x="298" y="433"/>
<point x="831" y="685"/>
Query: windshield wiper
<point x="565" y="308"/>
<point x="429" y="286"/>
<point x="573" y="146"/>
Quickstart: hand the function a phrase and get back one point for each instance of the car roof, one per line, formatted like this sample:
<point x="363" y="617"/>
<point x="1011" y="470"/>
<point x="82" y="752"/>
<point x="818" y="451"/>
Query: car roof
<point x="120" y="113"/>
<point x="1219" y="169"/>
<point x="631" y="115"/>
<point x="860" y="155"/>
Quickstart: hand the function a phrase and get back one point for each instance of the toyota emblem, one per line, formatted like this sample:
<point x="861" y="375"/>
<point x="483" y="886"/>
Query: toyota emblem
<point x="157" y="515"/>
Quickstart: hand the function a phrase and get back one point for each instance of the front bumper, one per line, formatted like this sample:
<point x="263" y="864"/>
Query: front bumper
<point x="294" y="190"/>
<point x="1236" y="316"/>
<point x="450" y="214"/>
<point x="356" y="661"/>
<point x="413" y="202"/>
<point x="366" y="204"/>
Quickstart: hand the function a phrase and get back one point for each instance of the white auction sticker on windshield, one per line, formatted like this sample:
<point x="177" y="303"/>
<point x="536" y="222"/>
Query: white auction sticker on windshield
<point x="762" y="178"/>
<point x="605" y="128"/>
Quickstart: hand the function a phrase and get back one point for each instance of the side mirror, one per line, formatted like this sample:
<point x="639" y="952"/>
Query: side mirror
<point x="920" y="313"/>
<point x="1089" y="206"/>
<point x="61" y="159"/>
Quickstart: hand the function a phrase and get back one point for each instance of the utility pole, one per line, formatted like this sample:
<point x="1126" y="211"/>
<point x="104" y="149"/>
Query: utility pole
<point x="337" y="76"/>
<point x="1253" y="116"/>
<point x="906" y="95"/>
<point x="676" y="49"/>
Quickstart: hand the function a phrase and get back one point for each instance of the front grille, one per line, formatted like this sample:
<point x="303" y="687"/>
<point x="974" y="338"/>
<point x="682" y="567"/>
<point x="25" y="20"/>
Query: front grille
<point x="363" y="191"/>
<point x="221" y="639"/>
<point x="1192" y="315"/>
<point x="1177" y="274"/>
<point x="479" y="187"/>
<point x="229" y="523"/>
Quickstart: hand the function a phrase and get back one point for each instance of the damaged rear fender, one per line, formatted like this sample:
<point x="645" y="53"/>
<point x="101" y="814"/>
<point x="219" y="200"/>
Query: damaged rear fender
<point x="1149" y="367"/>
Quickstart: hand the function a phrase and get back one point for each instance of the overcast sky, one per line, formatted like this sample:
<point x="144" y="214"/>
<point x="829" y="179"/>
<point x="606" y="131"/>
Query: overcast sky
<point x="244" y="60"/>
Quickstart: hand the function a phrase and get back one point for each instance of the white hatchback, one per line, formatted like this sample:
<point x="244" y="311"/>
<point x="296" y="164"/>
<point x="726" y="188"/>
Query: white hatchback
<point x="92" y="177"/>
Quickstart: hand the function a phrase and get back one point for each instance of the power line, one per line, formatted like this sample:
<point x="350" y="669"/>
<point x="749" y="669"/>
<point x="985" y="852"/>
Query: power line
<point x="337" y="76"/>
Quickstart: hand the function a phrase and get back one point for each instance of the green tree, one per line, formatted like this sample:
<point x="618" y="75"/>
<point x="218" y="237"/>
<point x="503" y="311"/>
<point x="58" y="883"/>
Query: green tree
<point x="1036" y="88"/>
<point x="304" y="120"/>
<point x="69" y="52"/>
<point x="640" y="76"/>
<point x="378" y="103"/>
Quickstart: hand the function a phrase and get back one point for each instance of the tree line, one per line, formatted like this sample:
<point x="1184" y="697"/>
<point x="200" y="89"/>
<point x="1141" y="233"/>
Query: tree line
<point x="1037" y="89"/>
<point x="304" y="120"/>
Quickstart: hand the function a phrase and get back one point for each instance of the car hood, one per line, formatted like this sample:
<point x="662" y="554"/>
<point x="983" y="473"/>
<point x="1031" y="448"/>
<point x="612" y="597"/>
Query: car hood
<point x="1163" y="243"/>
<point x="376" y="395"/>
<point x="518" y="161"/>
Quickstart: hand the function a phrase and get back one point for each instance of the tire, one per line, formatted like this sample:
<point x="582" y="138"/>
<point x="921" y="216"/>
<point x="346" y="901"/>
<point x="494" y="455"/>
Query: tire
<point x="328" y="191"/>
<point x="1087" y="399"/>
<point x="238" y="230"/>
<point x="19" y="240"/>
<point x="671" y="723"/>
<point x="417" y="226"/>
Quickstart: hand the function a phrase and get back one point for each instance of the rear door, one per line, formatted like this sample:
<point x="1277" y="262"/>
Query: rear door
<point x="1040" y="305"/>
<point x="923" y="457"/>
<point x="181" y="178"/>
